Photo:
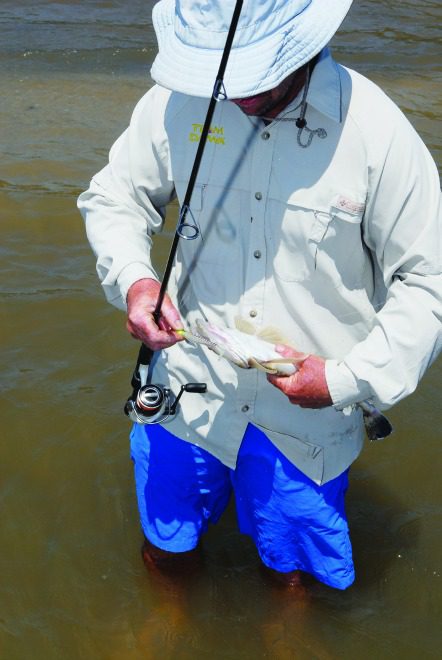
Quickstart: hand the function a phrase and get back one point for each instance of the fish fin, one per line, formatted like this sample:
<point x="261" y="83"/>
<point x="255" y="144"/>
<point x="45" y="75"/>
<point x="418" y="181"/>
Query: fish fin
<point x="377" y="425"/>
<point x="272" y="335"/>
<point x="268" y="334"/>
<point x="261" y="366"/>
<point x="244" y="326"/>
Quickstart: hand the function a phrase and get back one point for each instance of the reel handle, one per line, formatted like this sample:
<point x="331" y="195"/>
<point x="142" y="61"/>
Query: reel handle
<point x="197" y="388"/>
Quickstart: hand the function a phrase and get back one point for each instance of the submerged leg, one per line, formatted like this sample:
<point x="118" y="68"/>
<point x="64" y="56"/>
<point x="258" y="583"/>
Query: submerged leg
<point x="298" y="527"/>
<point x="171" y="563"/>
<point x="296" y="580"/>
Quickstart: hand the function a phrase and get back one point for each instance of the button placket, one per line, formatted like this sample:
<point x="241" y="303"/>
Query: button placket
<point x="252" y="301"/>
<point x="260" y="175"/>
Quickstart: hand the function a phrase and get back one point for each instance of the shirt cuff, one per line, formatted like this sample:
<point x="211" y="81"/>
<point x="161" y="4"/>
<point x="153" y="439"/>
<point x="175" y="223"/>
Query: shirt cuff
<point x="345" y="389"/>
<point x="131" y="274"/>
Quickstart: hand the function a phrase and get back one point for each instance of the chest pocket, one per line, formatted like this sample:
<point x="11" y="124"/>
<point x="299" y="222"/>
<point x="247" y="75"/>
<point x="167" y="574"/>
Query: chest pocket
<point x="308" y="235"/>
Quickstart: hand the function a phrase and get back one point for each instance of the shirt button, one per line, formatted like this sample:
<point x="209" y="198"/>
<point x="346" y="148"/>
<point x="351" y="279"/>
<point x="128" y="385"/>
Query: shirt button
<point x="265" y="135"/>
<point x="257" y="254"/>
<point x="245" y="408"/>
<point x="258" y="195"/>
<point x="253" y="313"/>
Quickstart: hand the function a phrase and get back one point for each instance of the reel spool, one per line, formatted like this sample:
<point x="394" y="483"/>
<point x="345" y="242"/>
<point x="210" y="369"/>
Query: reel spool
<point x="151" y="404"/>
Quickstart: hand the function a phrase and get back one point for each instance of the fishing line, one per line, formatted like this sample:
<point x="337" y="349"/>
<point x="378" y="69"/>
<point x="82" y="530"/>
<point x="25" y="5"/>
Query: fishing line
<point x="185" y="230"/>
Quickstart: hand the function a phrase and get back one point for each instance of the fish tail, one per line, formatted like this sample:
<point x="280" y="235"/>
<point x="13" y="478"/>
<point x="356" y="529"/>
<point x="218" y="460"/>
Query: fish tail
<point x="376" y="424"/>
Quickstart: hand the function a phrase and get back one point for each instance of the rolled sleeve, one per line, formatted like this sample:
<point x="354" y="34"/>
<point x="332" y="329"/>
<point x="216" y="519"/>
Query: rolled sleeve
<point x="345" y="390"/>
<point x="131" y="274"/>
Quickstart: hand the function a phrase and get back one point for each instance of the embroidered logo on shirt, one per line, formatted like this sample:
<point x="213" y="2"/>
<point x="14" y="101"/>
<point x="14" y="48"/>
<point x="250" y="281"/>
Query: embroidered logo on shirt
<point x="216" y="134"/>
<point x="349" y="205"/>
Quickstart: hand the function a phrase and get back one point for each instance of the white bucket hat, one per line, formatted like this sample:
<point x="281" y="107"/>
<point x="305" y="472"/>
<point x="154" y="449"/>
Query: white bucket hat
<point x="273" y="38"/>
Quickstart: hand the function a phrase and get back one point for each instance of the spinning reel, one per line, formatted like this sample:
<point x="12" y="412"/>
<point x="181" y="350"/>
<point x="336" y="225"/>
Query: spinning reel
<point x="153" y="404"/>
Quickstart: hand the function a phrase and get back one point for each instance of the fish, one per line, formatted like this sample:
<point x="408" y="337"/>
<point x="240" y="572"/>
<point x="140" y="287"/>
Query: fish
<point x="249" y="348"/>
<point x="244" y="346"/>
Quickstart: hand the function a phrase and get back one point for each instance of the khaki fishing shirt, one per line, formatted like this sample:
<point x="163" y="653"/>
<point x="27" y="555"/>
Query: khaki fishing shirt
<point x="332" y="236"/>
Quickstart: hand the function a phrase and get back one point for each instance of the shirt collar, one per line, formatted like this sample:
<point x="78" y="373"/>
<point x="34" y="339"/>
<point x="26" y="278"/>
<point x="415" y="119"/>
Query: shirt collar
<point x="325" y="93"/>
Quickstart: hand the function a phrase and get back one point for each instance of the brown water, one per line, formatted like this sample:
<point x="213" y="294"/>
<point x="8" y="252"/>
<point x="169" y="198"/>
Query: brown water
<point x="72" y="582"/>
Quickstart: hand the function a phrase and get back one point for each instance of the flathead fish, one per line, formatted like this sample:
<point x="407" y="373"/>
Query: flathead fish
<point x="250" y="349"/>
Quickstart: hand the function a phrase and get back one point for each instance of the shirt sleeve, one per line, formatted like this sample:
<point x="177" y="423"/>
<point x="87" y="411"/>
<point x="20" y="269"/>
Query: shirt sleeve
<point x="401" y="229"/>
<point x="125" y="203"/>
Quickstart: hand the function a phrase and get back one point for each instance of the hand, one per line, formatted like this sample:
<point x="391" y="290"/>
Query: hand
<point x="141" y="301"/>
<point x="307" y="387"/>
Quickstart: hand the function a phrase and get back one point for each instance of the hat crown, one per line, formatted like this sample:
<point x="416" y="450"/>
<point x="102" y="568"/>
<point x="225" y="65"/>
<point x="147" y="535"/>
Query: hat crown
<point x="273" y="38"/>
<point x="205" y="23"/>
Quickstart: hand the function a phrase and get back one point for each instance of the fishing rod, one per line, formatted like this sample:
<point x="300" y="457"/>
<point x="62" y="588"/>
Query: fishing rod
<point x="150" y="403"/>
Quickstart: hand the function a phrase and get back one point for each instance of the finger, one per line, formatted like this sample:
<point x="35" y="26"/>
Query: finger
<point x="142" y="299"/>
<point x="170" y="317"/>
<point x="287" y="384"/>
<point x="306" y="403"/>
<point x="147" y="331"/>
<point x="166" y="327"/>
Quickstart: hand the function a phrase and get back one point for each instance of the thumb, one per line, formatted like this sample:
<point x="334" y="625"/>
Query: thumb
<point x="288" y="351"/>
<point x="170" y="315"/>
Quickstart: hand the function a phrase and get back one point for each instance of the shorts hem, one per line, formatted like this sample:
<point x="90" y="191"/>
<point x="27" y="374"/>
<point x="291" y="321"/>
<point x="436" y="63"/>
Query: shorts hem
<point x="171" y="546"/>
<point x="343" y="584"/>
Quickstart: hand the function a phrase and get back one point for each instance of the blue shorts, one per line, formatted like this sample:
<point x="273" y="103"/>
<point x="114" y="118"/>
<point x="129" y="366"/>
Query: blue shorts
<point x="295" y="524"/>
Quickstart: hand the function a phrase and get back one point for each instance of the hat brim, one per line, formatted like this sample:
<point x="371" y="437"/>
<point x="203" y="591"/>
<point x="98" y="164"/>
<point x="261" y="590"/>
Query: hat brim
<point x="251" y="69"/>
